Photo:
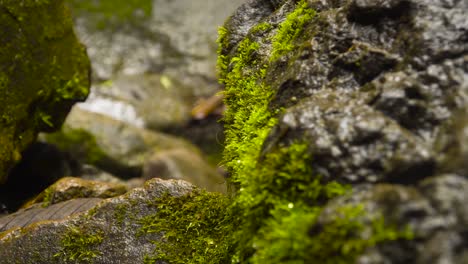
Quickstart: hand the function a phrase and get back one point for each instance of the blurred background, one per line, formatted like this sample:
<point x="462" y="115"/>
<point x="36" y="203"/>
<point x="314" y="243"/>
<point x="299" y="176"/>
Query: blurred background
<point x="153" y="109"/>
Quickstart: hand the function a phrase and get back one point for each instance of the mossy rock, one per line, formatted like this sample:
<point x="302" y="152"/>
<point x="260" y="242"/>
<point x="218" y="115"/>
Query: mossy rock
<point x="137" y="227"/>
<point x="44" y="70"/>
<point x="328" y="100"/>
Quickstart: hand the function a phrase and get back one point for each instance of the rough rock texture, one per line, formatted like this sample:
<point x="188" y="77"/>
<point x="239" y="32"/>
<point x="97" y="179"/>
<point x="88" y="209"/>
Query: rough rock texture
<point x="43" y="72"/>
<point x="110" y="232"/>
<point x="372" y="95"/>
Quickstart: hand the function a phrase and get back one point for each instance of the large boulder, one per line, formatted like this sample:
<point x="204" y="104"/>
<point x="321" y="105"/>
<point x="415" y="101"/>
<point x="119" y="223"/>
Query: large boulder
<point x="346" y="130"/>
<point x="44" y="70"/>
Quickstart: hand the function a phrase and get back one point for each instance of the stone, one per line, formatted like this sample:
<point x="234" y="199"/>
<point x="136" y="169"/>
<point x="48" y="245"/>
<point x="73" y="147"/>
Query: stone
<point x="111" y="145"/>
<point x="44" y="70"/>
<point x="185" y="165"/>
<point x="131" y="152"/>
<point x="346" y="126"/>
<point x="106" y="232"/>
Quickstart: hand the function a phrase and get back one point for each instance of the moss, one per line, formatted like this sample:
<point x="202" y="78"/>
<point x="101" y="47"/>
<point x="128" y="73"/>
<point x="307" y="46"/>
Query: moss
<point x="193" y="229"/>
<point x="341" y="240"/>
<point x="108" y="13"/>
<point x="73" y="88"/>
<point x="223" y="61"/>
<point x="278" y="197"/>
<point x="261" y="27"/>
<point x="79" y="142"/>
<point x="279" y="187"/>
<point x="46" y="119"/>
<point x="78" y="243"/>
<point x="120" y="213"/>
<point x="290" y="29"/>
<point x="287" y="238"/>
<point x="48" y="197"/>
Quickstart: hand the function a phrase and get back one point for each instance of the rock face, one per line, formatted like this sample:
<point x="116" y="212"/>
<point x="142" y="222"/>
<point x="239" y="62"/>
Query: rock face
<point x="110" y="232"/>
<point x="43" y="71"/>
<point x="370" y="96"/>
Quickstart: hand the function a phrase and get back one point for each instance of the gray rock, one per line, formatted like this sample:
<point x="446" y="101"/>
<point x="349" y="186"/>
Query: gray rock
<point x="351" y="142"/>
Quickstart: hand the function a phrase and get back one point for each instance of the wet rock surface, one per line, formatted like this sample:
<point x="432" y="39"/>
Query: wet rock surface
<point x="44" y="70"/>
<point x="377" y="90"/>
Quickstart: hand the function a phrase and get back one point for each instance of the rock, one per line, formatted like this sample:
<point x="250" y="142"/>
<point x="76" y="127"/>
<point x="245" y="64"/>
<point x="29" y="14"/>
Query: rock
<point x="112" y="231"/>
<point x="153" y="101"/>
<point x="113" y="146"/>
<point x="433" y="212"/>
<point x="128" y="151"/>
<point x="353" y="143"/>
<point x="152" y="36"/>
<point x="44" y="70"/>
<point x="451" y="143"/>
<point x="185" y="165"/>
<point x="345" y="125"/>
<point x="180" y="49"/>
<point x="153" y="60"/>
<point x="69" y="188"/>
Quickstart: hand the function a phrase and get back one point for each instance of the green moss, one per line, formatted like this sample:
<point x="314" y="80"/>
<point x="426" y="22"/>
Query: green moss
<point x="278" y="196"/>
<point x="113" y="12"/>
<point x="280" y="187"/>
<point x="286" y="237"/>
<point x="247" y="118"/>
<point x="120" y="213"/>
<point x="290" y="29"/>
<point x="79" y="142"/>
<point x="72" y="89"/>
<point x="193" y="229"/>
<point x="78" y="245"/>
<point x="223" y="60"/>
<point x="341" y="240"/>
<point x="261" y="27"/>
<point x="46" y="119"/>
<point x="48" y="197"/>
